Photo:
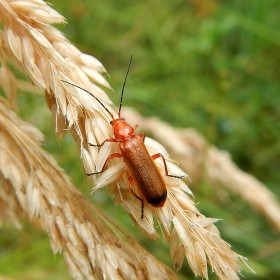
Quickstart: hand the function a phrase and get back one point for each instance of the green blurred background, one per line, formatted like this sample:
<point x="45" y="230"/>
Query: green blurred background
<point x="211" y="65"/>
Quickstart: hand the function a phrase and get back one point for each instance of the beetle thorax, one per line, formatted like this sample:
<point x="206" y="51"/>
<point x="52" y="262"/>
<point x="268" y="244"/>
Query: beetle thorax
<point x="122" y="130"/>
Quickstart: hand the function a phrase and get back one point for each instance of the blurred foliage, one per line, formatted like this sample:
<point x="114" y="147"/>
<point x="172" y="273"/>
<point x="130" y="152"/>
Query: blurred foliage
<point x="208" y="64"/>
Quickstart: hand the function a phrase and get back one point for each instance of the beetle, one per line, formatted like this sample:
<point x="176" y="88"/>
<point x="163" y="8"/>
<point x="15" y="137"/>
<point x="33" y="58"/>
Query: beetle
<point x="141" y="167"/>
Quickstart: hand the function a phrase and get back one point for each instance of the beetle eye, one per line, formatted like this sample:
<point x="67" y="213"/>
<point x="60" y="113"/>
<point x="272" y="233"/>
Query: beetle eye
<point x="110" y="122"/>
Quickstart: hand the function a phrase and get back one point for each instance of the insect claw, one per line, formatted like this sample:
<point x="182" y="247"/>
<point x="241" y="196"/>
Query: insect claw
<point x="142" y="209"/>
<point x="93" y="173"/>
<point x="94" y="145"/>
<point x="175" y="176"/>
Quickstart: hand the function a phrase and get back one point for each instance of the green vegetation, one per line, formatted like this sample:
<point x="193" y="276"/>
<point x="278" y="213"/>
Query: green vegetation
<point x="211" y="65"/>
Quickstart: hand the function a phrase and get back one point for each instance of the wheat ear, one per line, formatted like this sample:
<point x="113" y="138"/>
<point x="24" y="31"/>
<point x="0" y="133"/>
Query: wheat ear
<point x="33" y="184"/>
<point x="202" y="160"/>
<point x="47" y="57"/>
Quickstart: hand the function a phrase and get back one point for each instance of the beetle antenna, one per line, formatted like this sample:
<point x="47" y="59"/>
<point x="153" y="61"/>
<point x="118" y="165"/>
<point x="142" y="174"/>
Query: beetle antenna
<point x="92" y="96"/>
<point x="119" y="113"/>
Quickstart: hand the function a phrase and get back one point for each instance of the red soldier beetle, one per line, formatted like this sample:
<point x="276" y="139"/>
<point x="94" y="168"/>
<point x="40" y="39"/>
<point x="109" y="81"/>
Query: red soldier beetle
<point x="142" y="169"/>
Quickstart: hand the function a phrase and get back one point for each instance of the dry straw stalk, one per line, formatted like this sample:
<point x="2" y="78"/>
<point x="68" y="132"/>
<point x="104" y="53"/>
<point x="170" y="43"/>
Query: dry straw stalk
<point x="35" y="185"/>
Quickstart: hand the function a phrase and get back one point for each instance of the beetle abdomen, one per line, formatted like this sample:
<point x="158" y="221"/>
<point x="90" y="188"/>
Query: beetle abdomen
<point x="159" y="200"/>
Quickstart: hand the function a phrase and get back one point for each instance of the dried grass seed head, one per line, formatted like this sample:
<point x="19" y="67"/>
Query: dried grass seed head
<point x="40" y="54"/>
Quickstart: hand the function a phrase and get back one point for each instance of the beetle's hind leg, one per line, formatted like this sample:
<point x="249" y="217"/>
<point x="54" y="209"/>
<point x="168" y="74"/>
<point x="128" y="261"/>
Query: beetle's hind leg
<point x="130" y="183"/>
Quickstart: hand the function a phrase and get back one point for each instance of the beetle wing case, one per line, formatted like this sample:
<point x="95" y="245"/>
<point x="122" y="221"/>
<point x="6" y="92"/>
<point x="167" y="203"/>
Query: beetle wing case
<point x="143" y="170"/>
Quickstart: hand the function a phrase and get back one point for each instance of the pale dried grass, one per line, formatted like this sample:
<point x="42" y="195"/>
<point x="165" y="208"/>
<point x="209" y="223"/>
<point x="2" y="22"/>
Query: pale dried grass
<point x="204" y="161"/>
<point x="46" y="57"/>
<point x="33" y="184"/>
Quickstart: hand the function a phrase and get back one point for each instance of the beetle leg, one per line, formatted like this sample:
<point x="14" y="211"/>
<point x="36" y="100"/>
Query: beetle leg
<point x="165" y="166"/>
<point x="108" y="158"/>
<point x="107" y="140"/>
<point x="130" y="183"/>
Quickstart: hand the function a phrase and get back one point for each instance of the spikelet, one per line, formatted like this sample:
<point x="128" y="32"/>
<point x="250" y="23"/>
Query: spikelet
<point x="32" y="183"/>
<point x="195" y="155"/>
<point x="46" y="57"/>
